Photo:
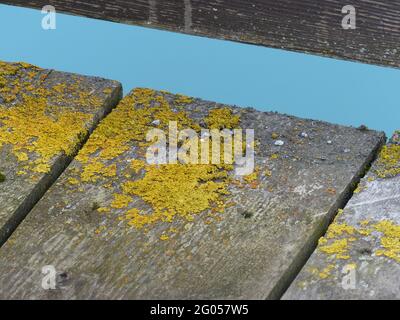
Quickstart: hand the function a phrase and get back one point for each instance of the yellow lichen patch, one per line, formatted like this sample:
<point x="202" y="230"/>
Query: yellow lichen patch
<point x="222" y="118"/>
<point x="14" y="79"/>
<point x="253" y="176"/>
<point x="338" y="248"/>
<point x="120" y="201"/>
<point x="181" y="99"/>
<point x="267" y="173"/>
<point x="339" y="214"/>
<point x="337" y="238"/>
<point x="163" y="192"/>
<point x="178" y="190"/>
<point x="390" y="240"/>
<point x="274" y="135"/>
<point x="73" y="181"/>
<point x="326" y="272"/>
<point x="359" y="189"/>
<point x="34" y="125"/>
<point x="336" y="230"/>
<point x="137" y="165"/>
<point x="164" y="237"/>
<point x="129" y="122"/>
<point x="388" y="164"/>
<point x="40" y="130"/>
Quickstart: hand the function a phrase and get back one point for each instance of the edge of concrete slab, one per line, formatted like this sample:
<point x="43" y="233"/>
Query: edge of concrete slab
<point x="57" y="169"/>
<point x="310" y="246"/>
<point x="362" y="215"/>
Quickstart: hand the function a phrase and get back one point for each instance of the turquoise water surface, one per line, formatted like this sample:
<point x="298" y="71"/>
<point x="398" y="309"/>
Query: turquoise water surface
<point x="267" y="79"/>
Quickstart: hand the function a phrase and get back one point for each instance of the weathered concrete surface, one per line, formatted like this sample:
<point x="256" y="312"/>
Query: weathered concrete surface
<point x="44" y="117"/>
<point x="368" y="267"/>
<point x="252" y="249"/>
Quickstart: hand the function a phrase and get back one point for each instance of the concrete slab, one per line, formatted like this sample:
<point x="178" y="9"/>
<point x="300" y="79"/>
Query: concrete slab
<point x="116" y="227"/>
<point x="44" y="117"/>
<point x="359" y="257"/>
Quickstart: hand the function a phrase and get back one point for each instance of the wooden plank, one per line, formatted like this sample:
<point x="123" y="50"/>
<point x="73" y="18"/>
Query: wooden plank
<point x="300" y="25"/>
<point x="359" y="257"/>
<point x="115" y="227"/>
<point x="45" y="115"/>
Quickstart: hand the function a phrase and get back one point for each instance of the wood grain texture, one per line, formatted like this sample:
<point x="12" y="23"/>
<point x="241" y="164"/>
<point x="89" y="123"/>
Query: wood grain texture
<point x="301" y="25"/>
<point x="24" y="185"/>
<point x="373" y="253"/>
<point x="252" y="251"/>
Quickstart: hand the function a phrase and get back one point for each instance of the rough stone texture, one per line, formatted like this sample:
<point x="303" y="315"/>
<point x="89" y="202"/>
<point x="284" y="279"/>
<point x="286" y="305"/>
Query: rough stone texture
<point x="252" y="251"/>
<point x="21" y="187"/>
<point x="365" y="272"/>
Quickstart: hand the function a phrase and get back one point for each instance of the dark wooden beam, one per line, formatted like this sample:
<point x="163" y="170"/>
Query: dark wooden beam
<point x="311" y="26"/>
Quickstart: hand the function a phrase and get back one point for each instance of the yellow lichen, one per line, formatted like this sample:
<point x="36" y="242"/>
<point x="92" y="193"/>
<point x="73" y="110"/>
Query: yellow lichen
<point x="388" y="164"/>
<point x="337" y="229"/>
<point x="337" y="239"/>
<point x="30" y="129"/>
<point x="181" y="99"/>
<point x="274" y="135"/>
<point x="120" y="201"/>
<point x="222" y="119"/>
<point x="177" y="189"/>
<point x="164" y="237"/>
<point x="339" y="236"/>
<point x="167" y="191"/>
<point x="338" y="248"/>
<point x="326" y="272"/>
<point x="35" y="127"/>
<point x="390" y="240"/>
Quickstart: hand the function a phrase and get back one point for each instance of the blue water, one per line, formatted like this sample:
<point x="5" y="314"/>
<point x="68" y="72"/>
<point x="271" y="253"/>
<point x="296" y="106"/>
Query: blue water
<point x="267" y="79"/>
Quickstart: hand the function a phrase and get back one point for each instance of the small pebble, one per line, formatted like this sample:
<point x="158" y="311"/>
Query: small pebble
<point x="304" y="135"/>
<point x="329" y="142"/>
<point x="279" y="143"/>
<point x="347" y="150"/>
<point x="156" y="122"/>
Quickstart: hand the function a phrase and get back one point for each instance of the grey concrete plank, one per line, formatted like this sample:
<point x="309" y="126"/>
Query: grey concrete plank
<point x="249" y="243"/>
<point x="45" y="115"/>
<point x="359" y="257"/>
